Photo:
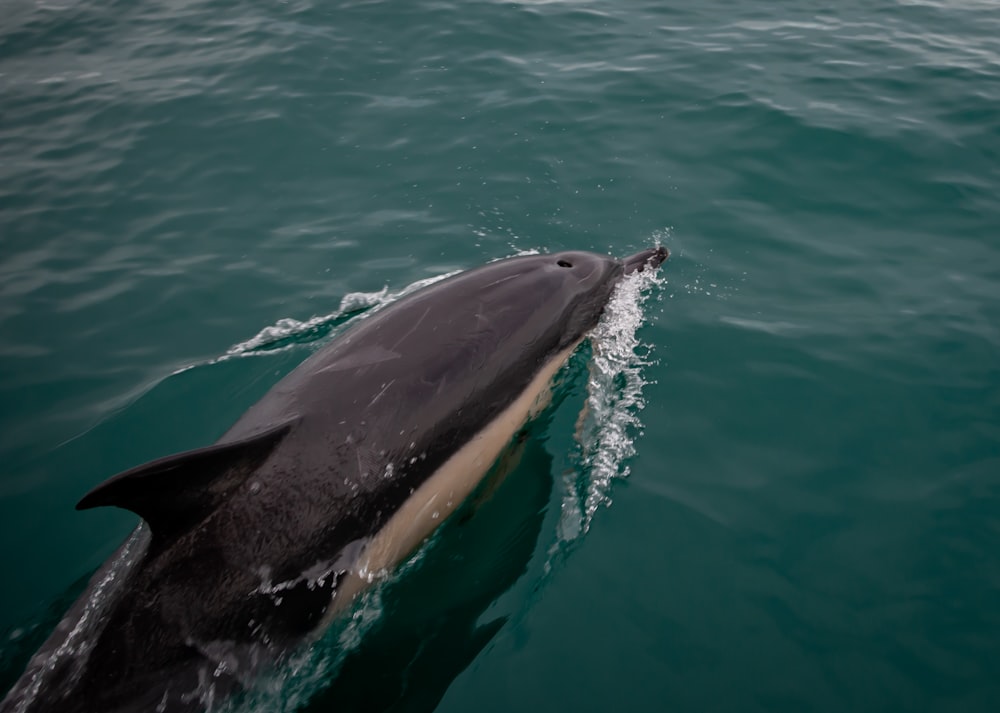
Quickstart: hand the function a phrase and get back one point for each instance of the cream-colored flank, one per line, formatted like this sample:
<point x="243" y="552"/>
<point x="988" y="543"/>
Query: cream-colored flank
<point x="445" y="490"/>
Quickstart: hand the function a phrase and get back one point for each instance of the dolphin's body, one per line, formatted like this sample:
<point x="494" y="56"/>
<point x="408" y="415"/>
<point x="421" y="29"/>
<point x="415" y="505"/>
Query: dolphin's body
<point x="337" y="473"/>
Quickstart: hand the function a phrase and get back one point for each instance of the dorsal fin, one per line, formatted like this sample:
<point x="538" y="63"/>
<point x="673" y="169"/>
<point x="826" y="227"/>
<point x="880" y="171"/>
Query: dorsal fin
<point x="175" y="493"/>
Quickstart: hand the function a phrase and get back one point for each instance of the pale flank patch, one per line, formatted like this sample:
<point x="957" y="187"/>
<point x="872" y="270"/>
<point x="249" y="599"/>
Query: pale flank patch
<point x="446" y="489"/>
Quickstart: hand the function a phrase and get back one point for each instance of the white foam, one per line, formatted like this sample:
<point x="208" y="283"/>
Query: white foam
<point x="310" y="669"/>
<point x="610" y="423"/>
<point x="75" y="648"/>
<point x="289" y="331"/>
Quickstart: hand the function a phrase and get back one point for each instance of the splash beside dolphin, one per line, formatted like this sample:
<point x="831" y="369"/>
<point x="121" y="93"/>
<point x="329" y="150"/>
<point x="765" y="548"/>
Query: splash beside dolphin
<point x="339" y="472"/>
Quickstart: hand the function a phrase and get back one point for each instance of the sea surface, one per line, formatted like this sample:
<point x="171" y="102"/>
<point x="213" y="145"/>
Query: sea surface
<point x="784" y="494"/>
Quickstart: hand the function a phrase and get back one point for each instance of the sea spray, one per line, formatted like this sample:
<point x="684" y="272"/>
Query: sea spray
<point x="609" y="423"/>
<point x="288" y="331"/>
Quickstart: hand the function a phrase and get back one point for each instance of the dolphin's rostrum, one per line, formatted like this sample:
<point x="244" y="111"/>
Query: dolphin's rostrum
<point x="339" y="472"/>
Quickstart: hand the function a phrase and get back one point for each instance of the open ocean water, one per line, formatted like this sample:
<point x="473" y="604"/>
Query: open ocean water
<point x="805" y="515"/>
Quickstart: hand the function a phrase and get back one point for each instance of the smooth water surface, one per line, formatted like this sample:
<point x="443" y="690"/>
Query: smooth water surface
<point x="810" y="518"/>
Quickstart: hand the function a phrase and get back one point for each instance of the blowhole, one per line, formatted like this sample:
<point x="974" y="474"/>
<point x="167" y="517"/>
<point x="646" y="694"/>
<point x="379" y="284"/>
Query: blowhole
<point x="564" y="263"/>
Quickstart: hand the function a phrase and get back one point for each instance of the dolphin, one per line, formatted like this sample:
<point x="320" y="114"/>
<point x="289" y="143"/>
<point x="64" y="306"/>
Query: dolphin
<point x="252" y="545"/>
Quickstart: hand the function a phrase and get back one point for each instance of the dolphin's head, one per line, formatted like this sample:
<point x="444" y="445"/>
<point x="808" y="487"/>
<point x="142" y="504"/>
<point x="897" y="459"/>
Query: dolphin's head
<point x="507" y="316"/>
<point x="587" y="280"/>
<point x="589" y="270"/>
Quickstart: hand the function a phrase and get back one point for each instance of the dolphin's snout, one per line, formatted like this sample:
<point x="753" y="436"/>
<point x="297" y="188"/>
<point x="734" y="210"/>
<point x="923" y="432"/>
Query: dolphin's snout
<point x="653" y="258"/>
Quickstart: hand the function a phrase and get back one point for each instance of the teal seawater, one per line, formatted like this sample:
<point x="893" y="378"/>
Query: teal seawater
<point x="812" y="516"/>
